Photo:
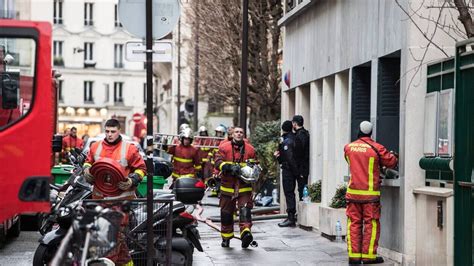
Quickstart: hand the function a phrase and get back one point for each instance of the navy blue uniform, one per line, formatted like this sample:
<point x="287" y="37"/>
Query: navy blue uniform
<point x="289" y="169"/>
<point x="301" y="155"/>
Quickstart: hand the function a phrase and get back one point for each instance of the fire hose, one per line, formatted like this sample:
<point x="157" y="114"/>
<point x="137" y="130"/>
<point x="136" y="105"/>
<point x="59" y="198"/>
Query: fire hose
<point x="107" y="174"/>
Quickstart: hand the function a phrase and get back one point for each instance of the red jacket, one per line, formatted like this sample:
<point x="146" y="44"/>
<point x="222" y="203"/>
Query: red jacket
<point x="364" y="183"/>
<point x="131" y="161"/>
<point x="229" y="153"/>
<point x="185" y="161"/>
<point x="69" y="142"/>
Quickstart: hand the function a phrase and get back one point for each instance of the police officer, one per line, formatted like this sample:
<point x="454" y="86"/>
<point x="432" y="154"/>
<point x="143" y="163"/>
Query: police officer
<point x="301" y="152"/>
<point x="289" y="170"/>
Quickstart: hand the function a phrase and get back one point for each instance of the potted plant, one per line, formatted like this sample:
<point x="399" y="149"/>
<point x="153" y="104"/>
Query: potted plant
<point x="328" y="216"/>
<point x="308" y="213"/>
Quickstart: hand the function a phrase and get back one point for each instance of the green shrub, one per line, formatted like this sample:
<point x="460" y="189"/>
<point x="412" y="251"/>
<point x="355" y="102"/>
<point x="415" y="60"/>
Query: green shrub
<point x="315" y="191"/>
<point x="265" y="139"/>
<point x="339" y="199"/>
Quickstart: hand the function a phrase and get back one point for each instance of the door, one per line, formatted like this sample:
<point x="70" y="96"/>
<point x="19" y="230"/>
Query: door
<point x="464" y="155"/>
<point x="26" y="117"/>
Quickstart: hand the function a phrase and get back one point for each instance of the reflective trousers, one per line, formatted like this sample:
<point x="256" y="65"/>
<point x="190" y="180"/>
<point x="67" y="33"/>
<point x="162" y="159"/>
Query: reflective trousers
<point x="363" y="230"/>
<point x="228" y="205"/>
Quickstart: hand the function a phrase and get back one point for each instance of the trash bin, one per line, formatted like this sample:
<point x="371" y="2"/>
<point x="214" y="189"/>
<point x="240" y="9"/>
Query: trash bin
<point x="158" y="183"/>
<point x="61" y="173"/>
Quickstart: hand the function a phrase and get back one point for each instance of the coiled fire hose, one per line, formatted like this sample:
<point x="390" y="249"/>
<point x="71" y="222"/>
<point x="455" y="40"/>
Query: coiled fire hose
<point x="107" y="174"/>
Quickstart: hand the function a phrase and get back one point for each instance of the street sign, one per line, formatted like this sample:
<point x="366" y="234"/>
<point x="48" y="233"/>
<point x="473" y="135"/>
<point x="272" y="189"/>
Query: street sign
<point x="135" y="51"/>
<point x="165" y="16"/>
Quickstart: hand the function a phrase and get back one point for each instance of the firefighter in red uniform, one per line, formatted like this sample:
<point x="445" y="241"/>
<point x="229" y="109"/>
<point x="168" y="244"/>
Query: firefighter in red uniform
<point x="365" y="158"/>
<point x="70" y="142"/>
<point x="127" y="155"/>
<point x="185" y="156"/>
<point x="231" y="157"/>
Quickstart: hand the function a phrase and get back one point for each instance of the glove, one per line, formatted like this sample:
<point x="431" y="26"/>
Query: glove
<point x="125" y="185"/>
<point x="235" y="170"/>
<point x="87" y="175"/>
<point x="227" y="168"/>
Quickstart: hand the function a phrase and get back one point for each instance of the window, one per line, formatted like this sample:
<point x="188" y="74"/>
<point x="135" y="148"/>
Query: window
<point x="116" y="20"/>
<point x="60" y="91"/>
<point x="88" y="97"/>
<point x="118" y="92"/>
<point x="58" y="12"/>
<point x="89" y="54"/>
<point x="144" y="92"/>
<point x="88" y="14"/>
<point x="118" y="55"/>
<point x="58" y="53"/>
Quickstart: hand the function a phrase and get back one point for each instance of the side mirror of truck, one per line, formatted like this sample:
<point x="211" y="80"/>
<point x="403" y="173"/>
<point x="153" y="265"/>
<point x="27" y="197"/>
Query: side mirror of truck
<point x="10" y="90"/>
<point x="57" y="143"/>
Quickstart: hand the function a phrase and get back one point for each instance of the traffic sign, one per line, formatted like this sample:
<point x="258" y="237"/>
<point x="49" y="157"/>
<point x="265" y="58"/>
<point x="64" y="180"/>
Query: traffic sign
<point x="135" y="51"/>
<point x="165" y="16"/>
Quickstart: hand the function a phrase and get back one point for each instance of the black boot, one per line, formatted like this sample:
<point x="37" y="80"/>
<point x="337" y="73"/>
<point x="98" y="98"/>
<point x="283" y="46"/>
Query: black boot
<point x="354" y="262"/>
<point x="377" y="260"/>
<point x="225" y="243"/>
<point x="289" y="222"/>
<point x="246" y="238"/>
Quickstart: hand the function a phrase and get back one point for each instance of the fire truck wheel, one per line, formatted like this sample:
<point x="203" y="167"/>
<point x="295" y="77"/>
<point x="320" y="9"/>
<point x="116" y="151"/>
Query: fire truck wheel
<point x="15" y="230"/>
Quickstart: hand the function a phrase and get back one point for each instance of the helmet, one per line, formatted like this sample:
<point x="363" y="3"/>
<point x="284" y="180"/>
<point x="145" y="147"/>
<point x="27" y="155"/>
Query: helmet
<point x="365" y="127"/>
<point x="183" y="126"/>
<point x="186" y="133"/>
<point x="250" y="174"/>
<point x="202" y="131"/>
<point x="220" y="129"/>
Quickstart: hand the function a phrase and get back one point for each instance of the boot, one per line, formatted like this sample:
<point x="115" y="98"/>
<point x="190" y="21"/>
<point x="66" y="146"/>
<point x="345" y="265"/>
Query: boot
<point x="377" y="260"/>
<point x="289" y="222"/>
<point x="225" y="243"/>
<point x="246" y="238"/>
<point x="354" y="262"/>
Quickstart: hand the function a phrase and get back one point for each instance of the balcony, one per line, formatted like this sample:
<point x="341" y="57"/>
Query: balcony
<point x="89" y="63"/>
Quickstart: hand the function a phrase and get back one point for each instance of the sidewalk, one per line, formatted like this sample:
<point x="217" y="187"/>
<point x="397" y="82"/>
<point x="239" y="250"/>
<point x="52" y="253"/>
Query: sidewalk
<point x="276" y="246"/>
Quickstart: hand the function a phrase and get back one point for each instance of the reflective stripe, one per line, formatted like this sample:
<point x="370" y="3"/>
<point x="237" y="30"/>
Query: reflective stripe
<point x="371" y="174"/>
<point x="227" y="235"/>
<point x="348" y="160"/>
<point x="244" y="230"/>
<point x="231" y="190"/>
<point x="372" y="237"/>
<point x="180" y="176"/>
<point x="140" y="172"/>
<point x="368" y="256"/>
<point x="130" y="263"/>
<point x="229" y="162"/>
<point x="197" y="167"/>
<point x="222" y="164"/>
<point x="363" y="192"/>
<point x="87" y="165"/>
<point x="349" y="243"/>
<point x="123" y="153"/>
<point x="205" y="160"/>
<point x="182" y="160"/>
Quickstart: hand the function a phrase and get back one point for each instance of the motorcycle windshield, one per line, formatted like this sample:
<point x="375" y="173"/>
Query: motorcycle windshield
<point x="106" y="236"/>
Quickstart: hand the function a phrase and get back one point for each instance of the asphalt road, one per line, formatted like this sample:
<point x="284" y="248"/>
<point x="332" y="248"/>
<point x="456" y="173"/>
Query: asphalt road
<point x="19" y="251"/>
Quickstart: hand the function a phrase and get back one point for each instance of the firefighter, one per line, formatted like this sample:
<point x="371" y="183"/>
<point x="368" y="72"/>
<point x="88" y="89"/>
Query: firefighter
<point x="290" y="172"/>
<point x="231" y="157"/>
<point x="70" y="142"/>
<point x="185" y="157"/>
<point x="365" y="158"/>
<point x="127" y="155"/>
<point x="215" y="179"/>
<point x="204" y="154"/>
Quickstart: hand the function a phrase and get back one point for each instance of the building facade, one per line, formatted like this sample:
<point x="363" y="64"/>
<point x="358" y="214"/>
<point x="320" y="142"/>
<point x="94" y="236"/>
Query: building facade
<point x="366" y="60"/>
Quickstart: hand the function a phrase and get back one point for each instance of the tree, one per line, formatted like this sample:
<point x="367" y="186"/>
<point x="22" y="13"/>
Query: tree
<point x="218" y="27"/>
<point x="433" y="18"/>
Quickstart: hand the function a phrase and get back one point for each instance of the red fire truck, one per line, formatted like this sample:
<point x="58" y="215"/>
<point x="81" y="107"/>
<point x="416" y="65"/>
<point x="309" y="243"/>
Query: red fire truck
<point x="27" y="121"/>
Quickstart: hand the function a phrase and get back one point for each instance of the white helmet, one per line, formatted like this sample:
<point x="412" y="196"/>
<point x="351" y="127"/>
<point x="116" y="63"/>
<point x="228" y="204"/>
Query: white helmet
<point x="220" y="129"/>
<point x="250" y="174"/>
<point x="202" y="129"/>
<point x="183" y="126"/>
<point x="186" y="133"/>
<point x="366" y="127"/>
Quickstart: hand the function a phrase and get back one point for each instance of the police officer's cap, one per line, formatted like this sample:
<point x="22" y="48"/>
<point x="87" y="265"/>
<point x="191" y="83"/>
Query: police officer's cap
<point x="287" y="126"/>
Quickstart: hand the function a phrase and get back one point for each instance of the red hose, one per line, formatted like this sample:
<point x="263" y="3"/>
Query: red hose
<point x="107" y="174"/>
